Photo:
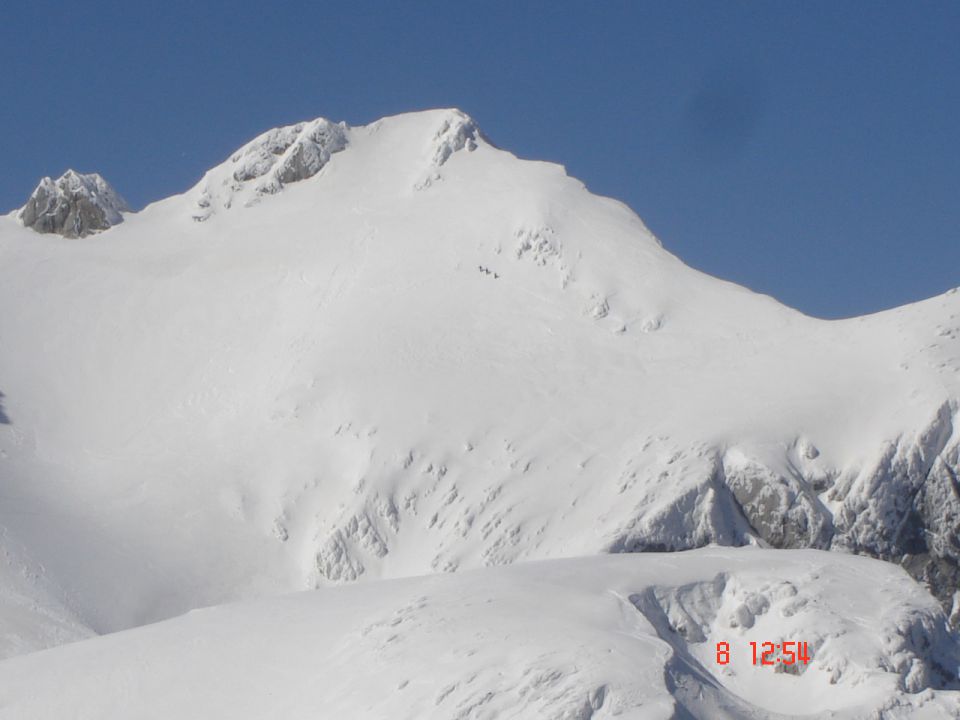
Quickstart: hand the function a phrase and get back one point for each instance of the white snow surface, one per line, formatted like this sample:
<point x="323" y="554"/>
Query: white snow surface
<point x="629" y="636"/>
<point x="357" y="353"/>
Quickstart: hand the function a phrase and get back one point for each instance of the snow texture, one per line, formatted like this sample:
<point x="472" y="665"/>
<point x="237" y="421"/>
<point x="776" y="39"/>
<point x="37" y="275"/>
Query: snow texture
<point x="396" y="349"/>
<point x="629" y="636"/>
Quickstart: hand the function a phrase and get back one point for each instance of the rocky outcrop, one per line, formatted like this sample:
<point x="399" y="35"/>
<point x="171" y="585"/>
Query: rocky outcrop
<point x="457" y="132"/>
<point x="902" y="507"/>
<point x="73" y="205"/>
<point x="907" y="507"/>
<point x="274" y="159"/>
<point x="292" y="153"/>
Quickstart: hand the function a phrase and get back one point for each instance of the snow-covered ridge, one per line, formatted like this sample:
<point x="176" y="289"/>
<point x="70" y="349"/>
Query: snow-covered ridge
<point x="74" y="205"/>
<point x="289" y="154"/>
<point x="369" y="376"/>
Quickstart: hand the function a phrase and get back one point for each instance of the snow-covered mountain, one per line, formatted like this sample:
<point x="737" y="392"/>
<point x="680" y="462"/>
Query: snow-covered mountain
<point x="355" y="353"/>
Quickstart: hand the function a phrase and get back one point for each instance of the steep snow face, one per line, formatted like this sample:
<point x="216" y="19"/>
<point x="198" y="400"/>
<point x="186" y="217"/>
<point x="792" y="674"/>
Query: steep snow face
<point x="628" y="636"/>
<point x="73" y="205"/>
<point x="428" y="355"/>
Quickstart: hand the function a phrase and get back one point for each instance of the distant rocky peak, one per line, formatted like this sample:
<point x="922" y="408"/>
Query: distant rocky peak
<point x="74" y="205"/>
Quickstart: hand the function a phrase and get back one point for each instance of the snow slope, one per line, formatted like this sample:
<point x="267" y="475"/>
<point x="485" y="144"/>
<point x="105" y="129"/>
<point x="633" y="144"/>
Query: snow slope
<point x="631" y="636"/>
<point x="374" y="352"/>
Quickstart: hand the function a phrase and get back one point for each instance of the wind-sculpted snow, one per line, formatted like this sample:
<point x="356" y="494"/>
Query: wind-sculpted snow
<point x="582" y="639"/>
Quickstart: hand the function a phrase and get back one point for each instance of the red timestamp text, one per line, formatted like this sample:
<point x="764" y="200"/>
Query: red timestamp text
<point x="789" y="652"/>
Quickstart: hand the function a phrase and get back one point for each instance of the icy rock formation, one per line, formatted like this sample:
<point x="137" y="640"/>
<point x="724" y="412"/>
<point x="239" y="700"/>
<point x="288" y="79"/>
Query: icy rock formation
<point x="907" y="508"/>
<point x="293" y="153"/>
<point x="276" y="158"/>
<point x="74" y="206"/>
<point x="457" y="132"/>
<point x="783" y="511"/>
<point x="904" y="508"/>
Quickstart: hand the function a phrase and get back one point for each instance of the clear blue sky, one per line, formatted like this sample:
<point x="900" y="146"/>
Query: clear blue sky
<point x="809" y="150"/>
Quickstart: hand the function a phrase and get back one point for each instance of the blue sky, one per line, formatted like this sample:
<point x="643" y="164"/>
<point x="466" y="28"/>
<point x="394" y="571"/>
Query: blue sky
<point x="809" y="150"/>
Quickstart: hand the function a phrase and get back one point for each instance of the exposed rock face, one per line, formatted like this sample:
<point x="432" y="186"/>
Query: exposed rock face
<point x="290" y="154"/>
<point x="783" y="511"/>
<point x="904" y="508"/>
<point x="293" y="153"/>
<point x="274" y="159"/>
<point x="74" y="206"/>
<point x="907" y="508"/>
<point x="456" y="132"/>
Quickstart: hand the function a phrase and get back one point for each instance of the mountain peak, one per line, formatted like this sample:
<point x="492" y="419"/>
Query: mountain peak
<point x="74" y="205"/>
<point x="291" y="153"/>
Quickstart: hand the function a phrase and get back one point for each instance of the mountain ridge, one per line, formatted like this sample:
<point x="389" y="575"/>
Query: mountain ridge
<point x="414" y="360"/>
